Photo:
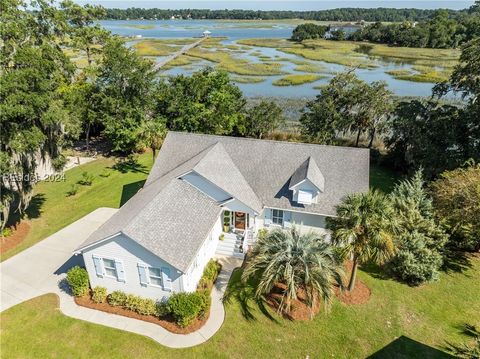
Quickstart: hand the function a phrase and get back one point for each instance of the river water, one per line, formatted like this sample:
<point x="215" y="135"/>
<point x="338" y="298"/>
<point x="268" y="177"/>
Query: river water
<point x="242" y="30"/>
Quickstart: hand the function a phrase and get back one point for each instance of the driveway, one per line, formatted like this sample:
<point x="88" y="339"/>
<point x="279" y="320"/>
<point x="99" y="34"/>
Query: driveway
<point x="38" y="269"/>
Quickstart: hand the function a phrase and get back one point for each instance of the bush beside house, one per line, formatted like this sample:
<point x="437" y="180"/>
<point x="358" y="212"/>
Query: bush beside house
<point x="77" y="279"/>
<point x="183" y="308"/>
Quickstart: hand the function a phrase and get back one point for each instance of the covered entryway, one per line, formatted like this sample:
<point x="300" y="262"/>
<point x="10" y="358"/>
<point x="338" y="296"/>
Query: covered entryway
<point x="240" y="220"/>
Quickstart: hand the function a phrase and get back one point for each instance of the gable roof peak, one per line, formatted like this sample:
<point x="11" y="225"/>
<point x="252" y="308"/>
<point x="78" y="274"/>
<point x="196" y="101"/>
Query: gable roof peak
<point x="308" y="170"/>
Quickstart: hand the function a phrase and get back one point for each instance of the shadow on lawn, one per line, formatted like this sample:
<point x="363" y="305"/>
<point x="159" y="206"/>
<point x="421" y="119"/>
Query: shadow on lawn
<point x="129" y="190"/>
<point x="33" y="211"/>
<point x="125" y="165"/>
<point x="243" y="294"/>
<point x="456" y="261"/>
<point x="375" y="271"/>
<point x="404" y="347"/>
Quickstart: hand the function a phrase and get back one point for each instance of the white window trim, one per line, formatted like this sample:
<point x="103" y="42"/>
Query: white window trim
<point x="105" y="270"/>
<point x="149" y="281"/>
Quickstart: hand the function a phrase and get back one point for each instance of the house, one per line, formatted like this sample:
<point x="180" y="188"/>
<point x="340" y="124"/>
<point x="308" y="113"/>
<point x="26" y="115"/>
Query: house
<point x="203" y="187"/>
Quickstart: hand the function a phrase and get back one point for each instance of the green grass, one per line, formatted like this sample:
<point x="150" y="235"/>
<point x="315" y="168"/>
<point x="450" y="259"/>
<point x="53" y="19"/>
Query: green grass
<point x="225" y="61"/>
<point x="383" y="179"/>
<point x="359" y="54"/>
<point x="154" y="48"/>
<point x="420" y="74"/>
<point x="310" y="67"/>
<point x="180" y="61"/>
<point x="296" y="79"/>
<point x="432" y="315"/>
<point x="51" y="209"/>
<point x="141" y="27"/>
<point x="248" y="79"/>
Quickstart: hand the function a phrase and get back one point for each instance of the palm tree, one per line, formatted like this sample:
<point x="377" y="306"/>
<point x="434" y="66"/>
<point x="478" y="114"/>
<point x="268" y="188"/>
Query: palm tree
<point x="151" y="134"/>
<point x="304" y="262"/>
<point x="364" y="229"/>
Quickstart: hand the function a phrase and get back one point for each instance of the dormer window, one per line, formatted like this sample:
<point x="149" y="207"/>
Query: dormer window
<point x="307" y="182"/>
<point x="305" y="196"/>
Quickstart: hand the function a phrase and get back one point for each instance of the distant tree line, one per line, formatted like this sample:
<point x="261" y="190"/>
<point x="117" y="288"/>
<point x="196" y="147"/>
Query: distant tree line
<point x="343" y="14"/>
<point x="440" y="30"/>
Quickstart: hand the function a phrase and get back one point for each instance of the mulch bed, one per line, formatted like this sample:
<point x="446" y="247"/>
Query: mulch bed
<point x="20" y="232"/>
<point x="360" y="293"/>
<point x="166" y="323"/>
<point x="300" y="310"/>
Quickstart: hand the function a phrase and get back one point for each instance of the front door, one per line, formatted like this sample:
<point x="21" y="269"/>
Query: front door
<point x="240" y="218"/>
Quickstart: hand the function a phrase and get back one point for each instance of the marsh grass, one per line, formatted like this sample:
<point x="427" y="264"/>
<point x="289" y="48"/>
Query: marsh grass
<point x="361" y="55"/>
<point x="248" y="79"/>
<point x="141" y="27"/>
<point x="180" y="61"/>
<point x="420" y="74"/>
<point x="154" y="48"/>
<point x="296" y="79"/>
<point x="237" y="66"/>
<point x="310" y="67"/>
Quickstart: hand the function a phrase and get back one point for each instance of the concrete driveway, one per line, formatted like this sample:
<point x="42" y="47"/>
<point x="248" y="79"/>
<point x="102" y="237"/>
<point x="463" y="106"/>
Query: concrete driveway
<point x="38" y="269"/>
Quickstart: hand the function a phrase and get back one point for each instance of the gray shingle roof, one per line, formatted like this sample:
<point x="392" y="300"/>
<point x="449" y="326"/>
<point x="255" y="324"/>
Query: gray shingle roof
<point x="171" y="223"/>
<point x="172" y="218"/>
<point x="308" y="170"/>
<point x="268" y="166"/>
<point x="217" y="167"/>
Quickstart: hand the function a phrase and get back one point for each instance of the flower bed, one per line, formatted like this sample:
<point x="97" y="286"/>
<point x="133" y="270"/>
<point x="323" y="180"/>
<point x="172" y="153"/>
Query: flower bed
<point x="183" y="313"/>
<point x="167" y="322"/>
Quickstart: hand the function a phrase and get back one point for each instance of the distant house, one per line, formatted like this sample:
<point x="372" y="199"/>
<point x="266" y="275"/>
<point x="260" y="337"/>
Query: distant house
<point x="206" y="33"/>
<point x="204" y="187"/>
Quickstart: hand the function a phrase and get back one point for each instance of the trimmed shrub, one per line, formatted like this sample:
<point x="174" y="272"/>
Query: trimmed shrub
<point x="146" y="306"/>
<point x="77" y="279"/>
<point x="212" y="269"/>
<point x="73" y="190"/>
<point x="87" y="179"/>
<point x="415" y="262"/>
<point x="99" y="294"/>
<point x="185" y="307"/>
<point x="161" y="309"/>
<point x="210" y="274"/>
<point x="206" y="301"/>
<point x="132" y="302"/>
<point x="117" y="298"/>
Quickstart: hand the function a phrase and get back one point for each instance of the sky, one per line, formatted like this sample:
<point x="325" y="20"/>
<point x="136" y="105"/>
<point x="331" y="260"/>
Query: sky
<point x="280" y="4"/>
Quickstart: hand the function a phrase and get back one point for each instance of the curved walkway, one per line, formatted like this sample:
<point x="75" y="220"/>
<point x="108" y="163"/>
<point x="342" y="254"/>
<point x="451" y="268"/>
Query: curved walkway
<point x="41" y="269"/>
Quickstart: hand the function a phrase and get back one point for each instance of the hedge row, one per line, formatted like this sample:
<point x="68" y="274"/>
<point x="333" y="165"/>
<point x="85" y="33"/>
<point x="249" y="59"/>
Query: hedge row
<point x="183" y="307"/>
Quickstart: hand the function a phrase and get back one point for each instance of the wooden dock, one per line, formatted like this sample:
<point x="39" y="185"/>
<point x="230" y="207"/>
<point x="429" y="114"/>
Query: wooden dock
<point x="182" y="51"/>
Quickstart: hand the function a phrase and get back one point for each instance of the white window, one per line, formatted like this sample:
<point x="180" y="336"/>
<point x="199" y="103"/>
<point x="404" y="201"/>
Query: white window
<point x="155" y="276"/>
<point x="305" y="196"/>
<point x="109" y="267"/>
<point x="277" y="216"/>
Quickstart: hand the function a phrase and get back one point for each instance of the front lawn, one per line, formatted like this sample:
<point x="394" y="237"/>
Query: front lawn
<point x="51" y="209"/>
<point x="407" y="322"/>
